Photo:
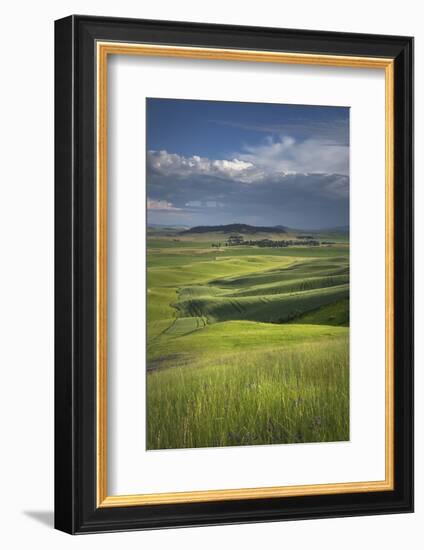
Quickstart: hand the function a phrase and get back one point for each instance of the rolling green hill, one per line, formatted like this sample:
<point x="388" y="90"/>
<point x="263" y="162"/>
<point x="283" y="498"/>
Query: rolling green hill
<point x="245" y="345"/>
<point x="269" y="308"/>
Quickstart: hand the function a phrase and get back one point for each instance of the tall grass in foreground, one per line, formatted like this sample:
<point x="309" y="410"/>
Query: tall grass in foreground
<point x="293" y="395"/>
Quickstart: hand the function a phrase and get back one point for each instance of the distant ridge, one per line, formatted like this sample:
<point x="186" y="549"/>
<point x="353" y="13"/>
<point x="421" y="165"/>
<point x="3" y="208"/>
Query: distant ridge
<point x="236" y="228"/>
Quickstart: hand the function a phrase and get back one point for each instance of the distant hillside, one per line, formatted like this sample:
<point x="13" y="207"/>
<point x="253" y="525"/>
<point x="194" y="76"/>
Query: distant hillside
<point x="235" y="228"/>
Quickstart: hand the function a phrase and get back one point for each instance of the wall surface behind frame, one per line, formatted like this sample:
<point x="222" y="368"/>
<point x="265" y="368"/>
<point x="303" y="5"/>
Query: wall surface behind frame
<point x="26" y="289"/>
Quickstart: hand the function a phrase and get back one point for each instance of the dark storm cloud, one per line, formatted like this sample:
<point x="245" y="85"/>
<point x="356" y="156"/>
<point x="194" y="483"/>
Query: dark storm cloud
<point x="298" y="200"/>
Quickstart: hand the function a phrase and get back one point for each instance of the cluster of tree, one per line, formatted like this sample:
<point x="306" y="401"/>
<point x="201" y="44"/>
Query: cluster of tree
<point x="235" y="239"/>
<point x="268" y="243"/>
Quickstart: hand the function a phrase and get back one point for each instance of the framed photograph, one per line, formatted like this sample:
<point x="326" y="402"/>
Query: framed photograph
<point x="233" y="273"/>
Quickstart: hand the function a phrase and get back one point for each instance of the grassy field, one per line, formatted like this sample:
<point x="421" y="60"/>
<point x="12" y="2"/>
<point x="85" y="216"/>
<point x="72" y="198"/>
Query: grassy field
<point x="246" y="345"/>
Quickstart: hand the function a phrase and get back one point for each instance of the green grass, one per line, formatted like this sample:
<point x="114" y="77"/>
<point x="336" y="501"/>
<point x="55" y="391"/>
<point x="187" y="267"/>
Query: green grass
<point x="295" y="395"/>
<point x="293" y="285"/>
<point x="273" y="308"/>
<point x="231" y="337"/>
<point x="336" y="314"/>
<point x="246" y="345"/>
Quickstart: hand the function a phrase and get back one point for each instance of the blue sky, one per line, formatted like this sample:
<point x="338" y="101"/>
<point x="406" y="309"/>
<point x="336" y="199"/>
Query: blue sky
<point x="213" y="162"/>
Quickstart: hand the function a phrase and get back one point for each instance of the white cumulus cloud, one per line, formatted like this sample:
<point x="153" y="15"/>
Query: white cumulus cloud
<point x="160" y="205"/>
<point x="279" y="160"/>
<point x="289" y="156"/>
<point x="171" y="164"/>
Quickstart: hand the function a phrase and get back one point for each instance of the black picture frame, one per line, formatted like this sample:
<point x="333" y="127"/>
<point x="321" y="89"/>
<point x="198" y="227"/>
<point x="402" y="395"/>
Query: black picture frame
<point x="76" y="510"/>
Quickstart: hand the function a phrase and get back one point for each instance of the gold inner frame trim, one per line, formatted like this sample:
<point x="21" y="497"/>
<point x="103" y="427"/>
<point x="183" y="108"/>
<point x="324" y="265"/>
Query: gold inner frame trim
<point x="104" y="49"/>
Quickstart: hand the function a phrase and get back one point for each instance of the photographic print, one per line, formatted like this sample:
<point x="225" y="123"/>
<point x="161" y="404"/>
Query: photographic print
<point x="247" y="274"/>
<point x="209" y="208"/>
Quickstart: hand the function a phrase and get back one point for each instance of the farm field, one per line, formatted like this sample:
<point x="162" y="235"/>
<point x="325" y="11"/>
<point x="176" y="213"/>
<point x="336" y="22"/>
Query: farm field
<point x="246" y="345"/>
